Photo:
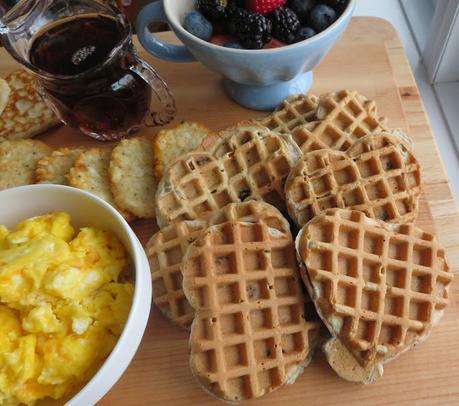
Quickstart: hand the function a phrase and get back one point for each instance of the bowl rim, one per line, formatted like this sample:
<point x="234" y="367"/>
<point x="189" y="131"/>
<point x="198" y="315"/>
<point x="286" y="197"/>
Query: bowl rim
<point x="179" y="27"/>
<point x="110" y="372"/>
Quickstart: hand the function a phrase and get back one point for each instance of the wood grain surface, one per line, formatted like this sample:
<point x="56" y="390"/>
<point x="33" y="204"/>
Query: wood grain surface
<point x="371" y="59"/>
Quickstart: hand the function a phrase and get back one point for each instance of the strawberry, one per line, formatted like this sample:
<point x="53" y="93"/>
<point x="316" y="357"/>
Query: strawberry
<point x="222" y="39"/>
<point x="274" y="43"/>
<point x="263" y="6"/>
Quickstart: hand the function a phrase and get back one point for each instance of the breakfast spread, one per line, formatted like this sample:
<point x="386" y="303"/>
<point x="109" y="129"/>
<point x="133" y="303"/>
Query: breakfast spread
<point x="62" y="308"/>
<point x="379" y="288"/>
<point x="378" y="175"/>
<point x="224" y="263"/>
<point x="250" y="334"/>
<point x="25" y="114"/>
<point x="261" y="24"/>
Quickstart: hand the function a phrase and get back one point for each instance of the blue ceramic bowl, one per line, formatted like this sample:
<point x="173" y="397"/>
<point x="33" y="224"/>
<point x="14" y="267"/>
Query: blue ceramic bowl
<point x="257" y="79"/>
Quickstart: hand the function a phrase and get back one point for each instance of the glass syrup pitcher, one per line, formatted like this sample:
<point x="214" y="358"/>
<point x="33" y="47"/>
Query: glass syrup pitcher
<point x="87" y="69"/>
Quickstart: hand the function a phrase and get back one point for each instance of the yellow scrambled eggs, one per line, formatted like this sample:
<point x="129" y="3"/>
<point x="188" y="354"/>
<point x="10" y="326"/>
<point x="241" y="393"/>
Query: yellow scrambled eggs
<point x="62" y="308"/>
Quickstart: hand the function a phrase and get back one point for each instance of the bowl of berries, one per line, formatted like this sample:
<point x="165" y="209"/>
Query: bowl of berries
<point x="266" y="50"/>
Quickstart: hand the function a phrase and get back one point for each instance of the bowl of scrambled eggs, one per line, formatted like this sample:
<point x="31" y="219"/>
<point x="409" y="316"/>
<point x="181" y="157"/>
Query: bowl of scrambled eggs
<point x="75" y="295"/>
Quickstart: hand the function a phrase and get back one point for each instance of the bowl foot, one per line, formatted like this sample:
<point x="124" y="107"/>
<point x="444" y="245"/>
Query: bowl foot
<point x="267" y="97"/>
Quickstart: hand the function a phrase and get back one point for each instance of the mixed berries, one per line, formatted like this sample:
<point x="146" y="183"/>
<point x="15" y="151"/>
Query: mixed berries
<point x="257" y="24"/>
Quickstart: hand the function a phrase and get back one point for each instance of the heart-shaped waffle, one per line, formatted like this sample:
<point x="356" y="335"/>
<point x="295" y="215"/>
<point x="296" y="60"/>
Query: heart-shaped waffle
<point x="250" y="164"/>
<point x="167" y="247"/>
<point x="250" y="334"/>
<point x="378" y="175"/>
<point x="379" y="288"/>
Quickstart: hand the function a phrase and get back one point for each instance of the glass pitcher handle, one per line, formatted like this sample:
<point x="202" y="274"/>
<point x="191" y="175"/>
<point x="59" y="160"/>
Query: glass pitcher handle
<point x="159" y="87"/>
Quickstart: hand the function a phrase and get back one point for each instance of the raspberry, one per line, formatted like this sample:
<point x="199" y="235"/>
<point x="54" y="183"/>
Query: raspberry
<point x="285" y="24"/>
<point x="252" y="30"/>
<point x="264" y="6"/>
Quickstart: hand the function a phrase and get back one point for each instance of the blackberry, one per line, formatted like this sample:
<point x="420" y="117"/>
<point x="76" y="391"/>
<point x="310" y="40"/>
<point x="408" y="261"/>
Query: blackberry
<point x="252" y="30"/>
<point x="285" y="24"/>
<point x="213" y="10"/>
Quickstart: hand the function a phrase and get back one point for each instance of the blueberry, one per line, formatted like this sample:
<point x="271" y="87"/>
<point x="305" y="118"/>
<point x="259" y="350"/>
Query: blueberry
<point x="234" y="45"/>
<point x="304" y="33"/>
<point x="196" y="24"/>
<point x="321" y="16"/>
<point x="301" y="7"/>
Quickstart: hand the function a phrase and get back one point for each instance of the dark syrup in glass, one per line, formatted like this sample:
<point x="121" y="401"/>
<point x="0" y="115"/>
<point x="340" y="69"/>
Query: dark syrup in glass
<point x="104" y="95"/>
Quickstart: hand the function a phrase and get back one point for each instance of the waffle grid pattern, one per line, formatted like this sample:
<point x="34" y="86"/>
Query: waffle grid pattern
<point x="249" y="335"/>
<point x="295" y="111"/>
<point x="165" y="252"/>
<point x="344" y="117"/>
<point x="381" y="290"/>
<point x="255" y="169"/>
<point x="168" y="246"/>
<point x="384" y="183"/>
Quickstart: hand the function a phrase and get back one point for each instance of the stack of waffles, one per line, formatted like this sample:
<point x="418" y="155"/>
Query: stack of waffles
<point x="360" y="280"/>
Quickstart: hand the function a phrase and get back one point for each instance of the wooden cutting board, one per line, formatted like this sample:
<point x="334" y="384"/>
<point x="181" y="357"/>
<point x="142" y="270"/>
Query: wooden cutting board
<point x="371" y="59"/>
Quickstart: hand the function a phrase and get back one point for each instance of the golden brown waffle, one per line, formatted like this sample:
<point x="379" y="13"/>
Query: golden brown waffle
<point x="248" y="165"/>
<point x="250" y="334"/>
<point x="344" y="117"/>
<point x="377" y="175"/>
<point x="166" y="249"/>
<point x="379" y="288"/>
<point x="296" y="110"/>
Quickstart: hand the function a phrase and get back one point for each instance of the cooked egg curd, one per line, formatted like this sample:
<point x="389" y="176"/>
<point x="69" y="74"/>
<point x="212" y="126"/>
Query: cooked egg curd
<point x="62" y="308"/>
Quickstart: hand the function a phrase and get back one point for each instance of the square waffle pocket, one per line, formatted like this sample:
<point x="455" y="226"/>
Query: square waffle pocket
<point x="378" y="175"/>
<point x="250" y="164"/>
<point x="379" y="288"/>
<point x="167" y="247"/>
<point x="250" y="334"/>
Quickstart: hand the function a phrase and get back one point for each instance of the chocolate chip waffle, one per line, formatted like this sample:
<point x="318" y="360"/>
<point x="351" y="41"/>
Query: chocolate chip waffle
<point x="166" y="249"/>
<point x="249" y="165"/>
<point x="378" y="288"/>
<point x="296" y="110"/>
<point x="250" y="334"/>
<point x="377" y="175"/>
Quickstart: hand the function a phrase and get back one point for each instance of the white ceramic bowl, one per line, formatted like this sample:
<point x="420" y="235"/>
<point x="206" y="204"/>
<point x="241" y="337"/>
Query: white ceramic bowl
<point x="88" y="210"/>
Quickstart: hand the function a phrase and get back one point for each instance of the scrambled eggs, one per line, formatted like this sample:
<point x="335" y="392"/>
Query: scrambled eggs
<point x="61" y="307"/>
